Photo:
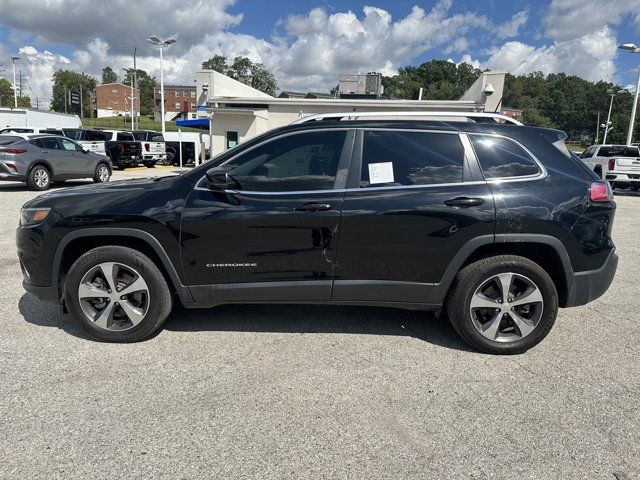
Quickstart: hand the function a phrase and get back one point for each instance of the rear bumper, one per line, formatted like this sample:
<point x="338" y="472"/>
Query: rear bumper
<point x="587" y="286"/>
<point x="623" y="177"/>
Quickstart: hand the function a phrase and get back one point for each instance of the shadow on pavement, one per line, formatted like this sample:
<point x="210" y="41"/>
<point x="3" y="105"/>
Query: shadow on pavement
<point x="22" y="187"/>
<point x="277" y="319"/>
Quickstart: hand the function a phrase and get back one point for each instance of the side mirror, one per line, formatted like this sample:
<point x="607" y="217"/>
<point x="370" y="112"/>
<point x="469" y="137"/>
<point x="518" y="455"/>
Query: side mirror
<point x="219" y="179"/>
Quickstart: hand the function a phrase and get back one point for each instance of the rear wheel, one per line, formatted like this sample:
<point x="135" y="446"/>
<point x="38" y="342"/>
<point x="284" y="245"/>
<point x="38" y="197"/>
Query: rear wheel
<point x="168" y="160"/>
<point x="102" y="173"/>
<point x="503" y="305"/>
<point x="117" y="294"/>
<point x="39" y="178"/>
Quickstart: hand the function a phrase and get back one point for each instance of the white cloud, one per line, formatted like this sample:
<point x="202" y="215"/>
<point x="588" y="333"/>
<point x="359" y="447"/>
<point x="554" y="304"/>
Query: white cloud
<point x="570" y="19"/>
<point x="590" y="56"/>
<point x="512" y="27"/>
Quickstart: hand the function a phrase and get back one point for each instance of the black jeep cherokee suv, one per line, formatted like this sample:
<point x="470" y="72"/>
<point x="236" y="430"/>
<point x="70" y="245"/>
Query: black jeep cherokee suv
<point x="498" y="225"/>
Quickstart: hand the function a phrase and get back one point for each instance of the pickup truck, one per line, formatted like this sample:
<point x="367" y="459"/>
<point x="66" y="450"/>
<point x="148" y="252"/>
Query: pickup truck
<point x="91" y="140"/>
<point x="153" y="147"/>
<point x="122" y="148"/>
<point x="619" y="164"/>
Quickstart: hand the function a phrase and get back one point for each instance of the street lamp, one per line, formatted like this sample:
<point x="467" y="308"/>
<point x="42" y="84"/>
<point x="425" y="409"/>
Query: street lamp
<point x="15" y="90"/>
<point x="632" y="48"/>
<point x="612" y="93"/>
<point x="161" y="45"/>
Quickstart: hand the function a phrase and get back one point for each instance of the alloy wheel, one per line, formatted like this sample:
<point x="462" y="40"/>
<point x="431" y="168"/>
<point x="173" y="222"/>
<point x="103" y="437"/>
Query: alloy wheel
<point x="103" y="173"/>
<point x="114" y="296"/>
<point x="507" y="307"/>
<point x="41" y="177"/>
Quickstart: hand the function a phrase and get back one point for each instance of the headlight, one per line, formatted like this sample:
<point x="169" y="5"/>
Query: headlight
<point x="33" y="216"/>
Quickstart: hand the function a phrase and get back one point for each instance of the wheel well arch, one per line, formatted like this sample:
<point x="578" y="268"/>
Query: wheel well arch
<point x="42" y="163"/>
<point x="598" y="170"/>
<point x="71" y="249"/>
<point x="543" y="254"/>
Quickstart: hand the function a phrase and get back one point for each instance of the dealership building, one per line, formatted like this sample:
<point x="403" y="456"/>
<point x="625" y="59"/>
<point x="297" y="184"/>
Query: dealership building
<point x="238" y="112"/>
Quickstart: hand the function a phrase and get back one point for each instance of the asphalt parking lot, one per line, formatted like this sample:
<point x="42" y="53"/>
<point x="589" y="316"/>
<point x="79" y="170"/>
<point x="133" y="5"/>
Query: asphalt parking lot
<point x="318" y="392"/>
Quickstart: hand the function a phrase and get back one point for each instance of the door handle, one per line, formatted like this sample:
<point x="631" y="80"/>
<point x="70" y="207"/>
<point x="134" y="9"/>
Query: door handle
<point x="464" y="202"/>
<point x="314" y="207"/>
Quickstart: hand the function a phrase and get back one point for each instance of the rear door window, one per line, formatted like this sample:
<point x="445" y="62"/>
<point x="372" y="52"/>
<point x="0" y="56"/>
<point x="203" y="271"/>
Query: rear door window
<point x="500" y="157"/>
<point x="396" y="158"/>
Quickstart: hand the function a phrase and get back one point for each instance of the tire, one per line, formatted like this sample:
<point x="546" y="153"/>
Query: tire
<point x="518" y="328"/>
<point x="101" y="311"/>
<point x="168" y="160"/>
<point x="39" y="178"/>
<point x="149" y="164"/>
<point x="635" y="188"/>
<point x="102" y="173"/>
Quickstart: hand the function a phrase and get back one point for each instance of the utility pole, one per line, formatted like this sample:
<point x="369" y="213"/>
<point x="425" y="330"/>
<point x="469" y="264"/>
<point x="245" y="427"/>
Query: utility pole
<point x="598" y="130"/>
<point x="81" y="111"/>
<point x="135" y="85"/>
<point x="20" y="83"/>
<point x="65" y="100"/>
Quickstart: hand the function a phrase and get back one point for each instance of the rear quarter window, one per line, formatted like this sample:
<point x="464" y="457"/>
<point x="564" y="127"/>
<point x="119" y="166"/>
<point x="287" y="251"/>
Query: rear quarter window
<point x="125" y="137"/>
<point x="500" y="157"/>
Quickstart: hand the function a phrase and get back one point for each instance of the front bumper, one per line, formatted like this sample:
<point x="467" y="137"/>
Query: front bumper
<point x="46" y="294"/>
<point x="587" y="286"/>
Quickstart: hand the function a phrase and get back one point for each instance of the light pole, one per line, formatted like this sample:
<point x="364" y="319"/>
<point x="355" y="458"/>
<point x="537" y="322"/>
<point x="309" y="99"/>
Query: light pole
<point x="631" y="47"/>
<point x="612" y="93"/>
<point x="161" y="44"/>
<point x="15" y="90"/>
<point x="130" y="72"/>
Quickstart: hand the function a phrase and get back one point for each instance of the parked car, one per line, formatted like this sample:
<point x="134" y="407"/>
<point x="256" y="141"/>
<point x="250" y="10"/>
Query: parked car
<point x="92" y="140"/>
<point x="122" y="148"/>
<point x="620" y="164"/>
<point x="153" y="147"/>
<point x="40" y="160"/>
<point x="496" y="225"/>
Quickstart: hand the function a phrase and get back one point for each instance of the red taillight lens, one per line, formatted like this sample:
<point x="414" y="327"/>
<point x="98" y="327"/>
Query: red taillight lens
<point x="147" y="147"/>
<point x="612" y="164"/>
<point x="121" y="147"/>
<point x="600" y="192"/>
<point x="14" y="151"/>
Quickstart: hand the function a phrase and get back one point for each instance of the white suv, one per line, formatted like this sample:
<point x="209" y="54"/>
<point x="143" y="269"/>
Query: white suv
<point x="620" y="164"/>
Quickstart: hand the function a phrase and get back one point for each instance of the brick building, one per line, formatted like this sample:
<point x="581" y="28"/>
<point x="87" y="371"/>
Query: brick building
<point x="177" y="99"/>
<point x="114" y="100"/>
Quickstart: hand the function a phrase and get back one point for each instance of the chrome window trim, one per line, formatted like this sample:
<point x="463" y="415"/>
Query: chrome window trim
<point x="522" y="178"/>
<point x="528" y="178"/>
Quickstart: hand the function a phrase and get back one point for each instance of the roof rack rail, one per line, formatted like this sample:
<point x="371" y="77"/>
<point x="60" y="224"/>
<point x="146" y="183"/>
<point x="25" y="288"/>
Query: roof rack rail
<point x="478" y="116"/>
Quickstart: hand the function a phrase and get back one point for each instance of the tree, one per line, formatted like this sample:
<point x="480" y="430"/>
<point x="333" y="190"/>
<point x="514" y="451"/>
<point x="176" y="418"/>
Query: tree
<point x="108" y="75"/>
<point x="244" y="70"/>
<point x="217" y="63"/>
<point x="146" y="84"/>
<point x="6" y="93"/>
<point x="24" y="102"/>
<point x="65" y="81"/>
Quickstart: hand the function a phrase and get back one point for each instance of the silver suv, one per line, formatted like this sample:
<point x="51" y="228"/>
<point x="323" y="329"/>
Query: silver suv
<point x="40" y="160"/>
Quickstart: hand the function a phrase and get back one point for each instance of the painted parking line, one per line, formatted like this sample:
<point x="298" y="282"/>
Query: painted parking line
<point x="164" y="166"/>
<point x="131" y="169"/>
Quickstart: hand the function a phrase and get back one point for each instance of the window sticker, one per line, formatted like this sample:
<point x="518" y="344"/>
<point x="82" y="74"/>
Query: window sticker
<point x="381" y="173"/>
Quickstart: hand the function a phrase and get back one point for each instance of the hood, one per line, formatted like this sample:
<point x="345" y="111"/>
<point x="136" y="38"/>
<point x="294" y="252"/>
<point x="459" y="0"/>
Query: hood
<point x="107" y="192"/>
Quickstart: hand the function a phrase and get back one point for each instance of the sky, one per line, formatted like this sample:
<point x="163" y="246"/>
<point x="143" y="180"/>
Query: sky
<point x="307" y="44"/>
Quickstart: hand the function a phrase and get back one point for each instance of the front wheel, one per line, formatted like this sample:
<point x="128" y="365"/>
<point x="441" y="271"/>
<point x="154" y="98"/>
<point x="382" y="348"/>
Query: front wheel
<point x="117" y="294"/>
<point x="102" y="173"/>
<point x="503" y="305"/>
<point x="168" y="160"/>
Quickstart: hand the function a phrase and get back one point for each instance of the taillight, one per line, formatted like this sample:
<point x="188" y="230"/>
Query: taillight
<point x="612" y="164"/>
<point x="121" y="147"/>
<point x="600" y="192"/>
<point x="14" y="151"/>
<point x="147" y="147"/>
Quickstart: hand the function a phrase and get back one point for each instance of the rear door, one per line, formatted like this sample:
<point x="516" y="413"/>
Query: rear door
<point x="274" y="236"/>
<point x="51" y="152"/>
<point x="415" y="199"/>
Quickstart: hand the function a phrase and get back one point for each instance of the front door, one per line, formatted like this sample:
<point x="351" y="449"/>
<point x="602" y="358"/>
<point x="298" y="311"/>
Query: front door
<point x="74" y="161"/>
<point x="273" y="237"/>
<point x="415" y="200"/>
